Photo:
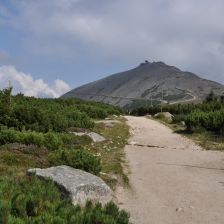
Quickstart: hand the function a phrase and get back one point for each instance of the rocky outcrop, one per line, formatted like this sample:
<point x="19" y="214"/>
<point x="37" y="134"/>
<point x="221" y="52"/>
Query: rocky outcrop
<point x="79" y="185"/>
<point x="164" y="115"/>
<point x="94" y="136"/>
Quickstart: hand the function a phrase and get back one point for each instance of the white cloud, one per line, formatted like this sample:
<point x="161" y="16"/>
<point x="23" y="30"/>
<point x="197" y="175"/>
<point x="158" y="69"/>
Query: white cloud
<point x="188" y="34"/>
<point x="25" y="83"/>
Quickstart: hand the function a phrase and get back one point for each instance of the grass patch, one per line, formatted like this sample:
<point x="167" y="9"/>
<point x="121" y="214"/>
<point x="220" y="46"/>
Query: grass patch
<point x="206" y="140"/>
<point x="112" y="152"/>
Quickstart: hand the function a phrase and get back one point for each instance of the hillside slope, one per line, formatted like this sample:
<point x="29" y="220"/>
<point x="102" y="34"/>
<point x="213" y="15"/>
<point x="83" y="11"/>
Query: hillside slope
<point x="154" y="82"/>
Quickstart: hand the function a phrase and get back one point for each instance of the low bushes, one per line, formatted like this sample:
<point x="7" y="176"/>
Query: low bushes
<point x="211" y="121"/>
<point x="30" y="200"/>
<point x="44" y="115"/>
<point x="79" y="159"/>
<point x="43" y="119"/>
<point x="51" y="140"/>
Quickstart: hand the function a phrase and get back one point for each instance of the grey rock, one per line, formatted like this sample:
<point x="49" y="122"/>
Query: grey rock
<point x="79" y="185"/>
<point x="179" y="210"/>
<point x="165" y="115"/>
<point x="94" y="136"/>
<point x="183" y="123"/>
<point x="109" y="125"/>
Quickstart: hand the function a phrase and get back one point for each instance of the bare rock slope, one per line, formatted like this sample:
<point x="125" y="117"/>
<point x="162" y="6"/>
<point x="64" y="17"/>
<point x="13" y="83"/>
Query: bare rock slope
<point x="156" y="81"/>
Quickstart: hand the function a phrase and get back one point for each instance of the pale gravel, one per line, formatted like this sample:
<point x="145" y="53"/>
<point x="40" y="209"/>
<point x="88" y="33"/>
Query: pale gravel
<point x="176" y="182"/>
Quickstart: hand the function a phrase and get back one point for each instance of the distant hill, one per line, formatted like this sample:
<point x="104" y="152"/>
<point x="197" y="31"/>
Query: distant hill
<point x="148" y="83"/>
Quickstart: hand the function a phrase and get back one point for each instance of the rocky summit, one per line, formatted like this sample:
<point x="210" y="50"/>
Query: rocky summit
<point x="150" y="83"/>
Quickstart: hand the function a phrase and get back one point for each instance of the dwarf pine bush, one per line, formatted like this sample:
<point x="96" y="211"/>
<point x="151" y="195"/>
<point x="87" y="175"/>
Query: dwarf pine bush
<point x="76" y="158"/>
<point x="29" y="200"/>
<point x="50" y="140"/>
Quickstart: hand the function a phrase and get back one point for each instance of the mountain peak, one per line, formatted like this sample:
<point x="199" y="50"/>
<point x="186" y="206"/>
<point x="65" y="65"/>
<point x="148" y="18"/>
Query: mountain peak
<point x="159" y="63"/>
<point x="148" y="81"/>
<point x="154" y="63"/>
<point x="146" y="62"/>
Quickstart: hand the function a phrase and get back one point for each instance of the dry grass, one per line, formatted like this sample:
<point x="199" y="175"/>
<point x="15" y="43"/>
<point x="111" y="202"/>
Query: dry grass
<point x="111" y="151"/>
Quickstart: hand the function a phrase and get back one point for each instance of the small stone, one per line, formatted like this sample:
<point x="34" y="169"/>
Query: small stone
<point x="179" y="210"/>
<point x="110" y="176"/>
<point x="98" y="154"/>
<point x="183" y="123"/>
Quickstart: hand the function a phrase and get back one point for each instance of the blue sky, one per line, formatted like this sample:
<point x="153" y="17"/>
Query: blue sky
<point x="54" y="45"/>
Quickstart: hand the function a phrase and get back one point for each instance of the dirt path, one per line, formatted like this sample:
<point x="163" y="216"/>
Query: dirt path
<point x="174" y="182"/>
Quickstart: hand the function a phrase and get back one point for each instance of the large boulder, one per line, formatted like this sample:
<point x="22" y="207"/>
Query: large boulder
<point x="164" y="115"/>
<point x="79" y="185"/>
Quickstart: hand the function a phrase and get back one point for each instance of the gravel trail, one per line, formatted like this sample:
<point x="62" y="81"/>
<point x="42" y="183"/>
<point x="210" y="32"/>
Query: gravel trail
<point x="173" y="181"/>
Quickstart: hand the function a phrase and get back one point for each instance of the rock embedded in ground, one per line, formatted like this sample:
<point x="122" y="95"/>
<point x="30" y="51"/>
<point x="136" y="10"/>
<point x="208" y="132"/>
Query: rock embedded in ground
<point x="108" y="123"/>
<point x="76" y="184"/>
<point x="94" y="136"/>
<point x="183" y="123"/>
<point x="179" y="210"/>
<point x="165" y="115"/>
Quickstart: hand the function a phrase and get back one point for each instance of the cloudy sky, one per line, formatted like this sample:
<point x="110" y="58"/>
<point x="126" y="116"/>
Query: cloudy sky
<point x="50" y="46"/>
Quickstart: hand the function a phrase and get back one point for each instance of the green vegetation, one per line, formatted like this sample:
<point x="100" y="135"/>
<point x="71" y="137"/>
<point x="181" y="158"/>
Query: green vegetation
<point x="45" y="115"/>
<point x="50" y="140"/>
<point x="79" y="159"/>
<point x="36" y="133"/>
<point x="29" y="200"/>
<point x="204" y="121"/>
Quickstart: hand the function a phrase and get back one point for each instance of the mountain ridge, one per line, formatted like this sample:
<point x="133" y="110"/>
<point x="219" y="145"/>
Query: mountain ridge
<point x="150" y="81"/>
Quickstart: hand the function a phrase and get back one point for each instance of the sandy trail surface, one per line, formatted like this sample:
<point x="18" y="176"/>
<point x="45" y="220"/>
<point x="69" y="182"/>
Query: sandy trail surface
<point x="172" y="180"/>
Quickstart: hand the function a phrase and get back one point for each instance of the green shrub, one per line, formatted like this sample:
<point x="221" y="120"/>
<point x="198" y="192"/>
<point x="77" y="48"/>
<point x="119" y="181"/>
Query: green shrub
<point x="211" y="121"/>
<point x="29" y="200"/>
<point x="51" y="140"/>
<point x="76" y="158"/>
<point x="44" y="115"/>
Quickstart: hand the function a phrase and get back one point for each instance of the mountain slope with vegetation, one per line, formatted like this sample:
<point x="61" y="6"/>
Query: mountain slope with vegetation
<point x="37" y="133"/>
<point x="150" y="82"/>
